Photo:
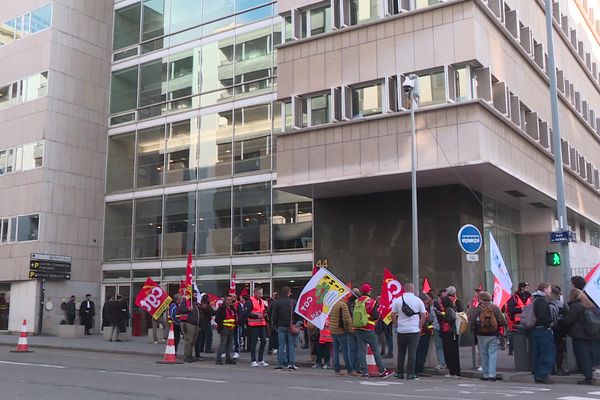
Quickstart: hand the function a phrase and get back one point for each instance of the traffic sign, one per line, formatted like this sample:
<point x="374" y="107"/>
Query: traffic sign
<point x="553" y="259"/>
<point x="51" y="276"/>
<point x="49" y="266"/>
<point x="563" y="237"/>
<point x="51" y="257"/>
<point x="469" y="239"/>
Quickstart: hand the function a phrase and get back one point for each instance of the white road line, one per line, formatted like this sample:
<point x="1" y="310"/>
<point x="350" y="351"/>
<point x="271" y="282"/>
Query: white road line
<point x="33" y="365"/>
<point x="594" y="393"/>
<point x="373" y="394"/>
<point x="134" y="374"/>
<point x="183" y="378"/>
<point x="576" y="398"/>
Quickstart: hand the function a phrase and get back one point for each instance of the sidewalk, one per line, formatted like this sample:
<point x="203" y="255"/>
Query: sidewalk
<point x="141" y="346"/>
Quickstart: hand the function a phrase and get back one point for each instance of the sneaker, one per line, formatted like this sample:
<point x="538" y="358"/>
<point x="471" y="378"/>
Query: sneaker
<point x="262" y="364"/>
<point x="236" y="355"/>
<point x="164" y="340"/>
<point x="546" y="381"/>
<point x="386" y="373"/>
<point x="562" y="372"/>
<point x="364" y="375"/>
<point x="448" y="376"/>
<point x="326" y="367"/>
<point x="223" y="355"/>
<point x="254" y="364"/>
<point x="316" y="366"/>
<point x="292" y="368"/>
<point x="354" y="373"/>
<point x="274" y="351"/>
<point x="188" y="360"/>
<point x="155" y="342"/>
<point x="484" y="379"/>
<point x="440" y="367"/>
<point x="479" y="369"/>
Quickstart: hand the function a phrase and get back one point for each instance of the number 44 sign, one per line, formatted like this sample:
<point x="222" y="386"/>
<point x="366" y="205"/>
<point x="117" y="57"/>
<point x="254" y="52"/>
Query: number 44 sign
<point x="153" y="299"/>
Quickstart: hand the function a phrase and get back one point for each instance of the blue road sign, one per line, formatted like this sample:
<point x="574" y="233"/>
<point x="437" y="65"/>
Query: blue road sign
<point x="469" y="239"/>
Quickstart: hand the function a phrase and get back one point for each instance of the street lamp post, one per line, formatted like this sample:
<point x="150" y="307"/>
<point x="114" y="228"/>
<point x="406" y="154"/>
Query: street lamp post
<point x="411" y="86"/>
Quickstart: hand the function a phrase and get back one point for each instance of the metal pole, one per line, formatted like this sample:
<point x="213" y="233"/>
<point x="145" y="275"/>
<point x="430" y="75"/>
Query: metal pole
<point x="41" y="315"/>
<point x="415" y="220"/>
<point x="561" y="207"/>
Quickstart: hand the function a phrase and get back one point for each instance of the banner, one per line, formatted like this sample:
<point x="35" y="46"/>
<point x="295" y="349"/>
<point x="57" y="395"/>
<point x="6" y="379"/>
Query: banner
<point x="391" y="290"/>
<point x="153" y="298"/>
<point x="592" y="287"/>
<point x="189" y="279"/>
<point x="318" y="297"/>
<point x="232" y="284"/>
<point x="426" y="286"/>
<point x="591" y="273"/>
<point x="502" y="282"/>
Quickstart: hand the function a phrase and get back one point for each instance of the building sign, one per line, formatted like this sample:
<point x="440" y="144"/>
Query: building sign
<point x="469" y="239"/>
<point x="49" y="267"/>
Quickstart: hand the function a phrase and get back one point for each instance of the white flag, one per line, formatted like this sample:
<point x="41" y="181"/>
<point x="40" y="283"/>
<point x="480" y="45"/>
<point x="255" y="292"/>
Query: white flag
<point x="502" y="282"/>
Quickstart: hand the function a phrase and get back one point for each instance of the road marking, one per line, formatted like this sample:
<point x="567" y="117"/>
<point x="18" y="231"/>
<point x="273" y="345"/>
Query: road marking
<point x="371" y="383"/>
<point x="33" y="365"/>
<point x="183" y="378"/>
<point x="594" y="393"/>
<point x="576" y="398"/>
<point x="372" y="394"/>
<point x="135" y="374"/>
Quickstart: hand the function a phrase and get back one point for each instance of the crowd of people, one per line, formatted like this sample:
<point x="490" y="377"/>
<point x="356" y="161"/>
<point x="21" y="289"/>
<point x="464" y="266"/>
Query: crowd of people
<point x="357" y="322"/>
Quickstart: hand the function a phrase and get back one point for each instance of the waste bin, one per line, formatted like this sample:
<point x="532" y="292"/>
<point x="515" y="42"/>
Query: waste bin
<point x="521" y="351"/>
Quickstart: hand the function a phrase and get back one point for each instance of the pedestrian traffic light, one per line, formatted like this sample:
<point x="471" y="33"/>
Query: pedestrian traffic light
<point x="553" y="259"/>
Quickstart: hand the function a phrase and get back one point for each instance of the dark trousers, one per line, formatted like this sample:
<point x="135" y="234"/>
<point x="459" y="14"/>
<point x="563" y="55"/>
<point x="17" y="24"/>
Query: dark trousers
<point x="389" y="338"/>
<point x="450" y="344"/>
<point x="86" y="320"/>
<point x="273" y="339"/>
<point x="543" y="352"/>
<point x="407" y="346"/>
<point x="204" y="342"/>
<point x="560" y="344"/>
<point x="584" y="355"/>
<point x="323" y="353"/>
<point x="177" y="335"/>
<point x="226" y="344"/>
<point x="256" y="333"/>
<point x="422" y="351"/>
<point x="71" y="319"/>
<point x="236" y="339"/>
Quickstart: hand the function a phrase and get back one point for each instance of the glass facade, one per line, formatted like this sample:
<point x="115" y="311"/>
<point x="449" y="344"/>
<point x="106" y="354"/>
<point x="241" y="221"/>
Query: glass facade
<point x="25" y="25"/>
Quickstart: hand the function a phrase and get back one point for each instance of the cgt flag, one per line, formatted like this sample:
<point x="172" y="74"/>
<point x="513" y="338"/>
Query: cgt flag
<point x="232" y="284"/>
<point x="391" y="289"/>
<point x="502" y="282"/>
<point x="153" y="299"/>
<point x="592" y="287"/>
<point x="318" y="297"/>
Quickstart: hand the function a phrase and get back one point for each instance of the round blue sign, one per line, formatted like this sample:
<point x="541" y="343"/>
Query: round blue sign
<point x="469" y="239"/>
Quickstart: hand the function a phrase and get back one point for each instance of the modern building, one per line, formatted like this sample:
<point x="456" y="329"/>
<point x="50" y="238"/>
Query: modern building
<point x="54" y="78"/>
<point x="483" y="132"/>
<point x="191" y="152"/>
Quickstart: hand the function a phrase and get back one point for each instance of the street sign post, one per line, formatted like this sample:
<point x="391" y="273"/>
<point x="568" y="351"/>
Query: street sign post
<point x="469" y="239"/>
<point x="49" y="267"/>
<point x="563" y="237"/>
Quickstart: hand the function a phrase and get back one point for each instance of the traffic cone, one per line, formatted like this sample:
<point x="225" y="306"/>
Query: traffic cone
<point x="372" y="368"/>
<point x="170" y="355"/>
<point x="22" y="346"/>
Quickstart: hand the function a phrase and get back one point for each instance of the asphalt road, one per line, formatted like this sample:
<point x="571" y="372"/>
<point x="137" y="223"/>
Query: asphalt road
<point x="72" y="375"/>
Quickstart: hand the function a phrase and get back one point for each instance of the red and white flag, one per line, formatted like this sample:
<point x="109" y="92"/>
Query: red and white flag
<point x="232" y="284"/>
<point x="391" y="289"/>
<point x="502" y="281"/>
<point x="153" y="299"/>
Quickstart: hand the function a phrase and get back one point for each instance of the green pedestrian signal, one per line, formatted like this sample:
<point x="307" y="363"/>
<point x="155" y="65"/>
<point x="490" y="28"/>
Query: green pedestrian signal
<point x="553" y="259"/>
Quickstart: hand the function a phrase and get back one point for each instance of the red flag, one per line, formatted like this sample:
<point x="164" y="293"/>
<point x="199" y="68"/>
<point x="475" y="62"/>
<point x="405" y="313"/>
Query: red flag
<point x="315" y="270"/>
<point x="232" y="284"/>
<point x="501" y="296"/>
<point x="244" y="291"/>
<point x="189" y="281"/>
<point x="391" y="289"/>
<point x="153" y="298"/>
<point x="589" y="275"/>
<point x="426" y="286"/>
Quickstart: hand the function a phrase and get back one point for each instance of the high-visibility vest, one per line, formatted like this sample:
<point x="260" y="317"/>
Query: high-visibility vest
<point x="516" y="319"/>
<point x="230" y="319"/>
<point x="325" y="335"/>
<point x="369" y="305"/>
<point x="258" y="309"/>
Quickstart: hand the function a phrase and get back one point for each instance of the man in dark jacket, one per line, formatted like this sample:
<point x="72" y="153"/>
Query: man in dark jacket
<point x="190" y="322"/>
<point x="115" y="317"/>
<point x="226" y="319"/>
<point x="542" y="336"/>
<point x="514" y="307"/>
<point x="205" y="333"/>
<point x="71" y="311"/>
<point x="87" y="311"/>
<point x="282" y="316"/>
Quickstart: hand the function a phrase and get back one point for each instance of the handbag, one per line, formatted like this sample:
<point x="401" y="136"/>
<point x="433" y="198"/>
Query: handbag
<point x="294" y="329"/>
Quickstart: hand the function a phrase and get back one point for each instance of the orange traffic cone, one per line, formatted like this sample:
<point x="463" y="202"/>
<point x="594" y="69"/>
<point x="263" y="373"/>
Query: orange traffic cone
<point x="170" y="355"/>
<point x="371" y="365"/>
<point x="22" y="346"/>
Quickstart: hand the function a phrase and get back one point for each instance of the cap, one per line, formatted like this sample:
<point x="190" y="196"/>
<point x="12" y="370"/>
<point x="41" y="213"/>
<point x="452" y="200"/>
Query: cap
<point x="365" y="288"/>
<point x="523" y="285"/>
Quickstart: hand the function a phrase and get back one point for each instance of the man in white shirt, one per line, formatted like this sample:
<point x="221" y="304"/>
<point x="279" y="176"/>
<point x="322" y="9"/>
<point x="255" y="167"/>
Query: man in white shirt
<point x="409" y="314"/>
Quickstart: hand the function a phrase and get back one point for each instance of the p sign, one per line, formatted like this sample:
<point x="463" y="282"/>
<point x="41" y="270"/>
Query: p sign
<point x="469" y="239"/>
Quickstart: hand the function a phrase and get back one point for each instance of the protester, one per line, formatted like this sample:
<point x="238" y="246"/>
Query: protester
<point x="105" y="311"/>
<point x="542" y="337"/>
<point x="579" y="304"/>
<point x="578" y="282"/>
<point x="437" y="332"/>
<point x="425" y="335"/>
<point x="71" y="311"/>
<point x="243" y="324"/>
<point x="162" y="322"/>
<point x="282" y="318"/>
<point x="409" y="315"/>
<point x="340" y="325"/>
<point x="365" y="310"/>
<point x="515" y="307"/>
<point x="273" y="334"/>
<point x="226" y="319"/>
<point x="190" y="324"/>
<point x="236" y="332"/>
<point x="174" y="319"/>
<point x="352" y="338"/>
<point x="124" y="312"/>
<point x="323" y="341"/>
<point x="485" y="321"/>
<point x="205" y="333"/>
<point x="87" y="311"/>
<point x="446" y="314"/>
<point x="559" y="331"/>
<point x="257" y="325"/>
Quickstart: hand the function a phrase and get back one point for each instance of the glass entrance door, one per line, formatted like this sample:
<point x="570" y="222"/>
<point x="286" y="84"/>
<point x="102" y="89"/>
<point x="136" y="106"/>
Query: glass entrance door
<point x="247" y="286"/>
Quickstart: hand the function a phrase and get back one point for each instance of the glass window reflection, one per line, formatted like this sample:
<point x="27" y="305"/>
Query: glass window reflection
<point x="292" y="221"/>
<point x="126" y="31"/>
<point x="251" y="215"/>
<point x="214" y="221"/>
<point x="148" y="227"/>
<point x="182" y="151"/>
<point x="150" y="156"/>
<point x="252" y="138"/>
<point x="180" y="215"/>
<point x="117" y="231"/>
<point x="215" y="154"/>
<point x="121" y="156"/>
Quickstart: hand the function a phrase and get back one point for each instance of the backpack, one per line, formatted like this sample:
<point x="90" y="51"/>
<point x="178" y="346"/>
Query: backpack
<point x="461" y="323"/>
<point x="591" y="323"/>
<point x="488" y="322"/>
<point x="450" y="315"/>
<point x="360" y="317"/>
<point x="406" y="308"/>
<point x="528" y="318"/>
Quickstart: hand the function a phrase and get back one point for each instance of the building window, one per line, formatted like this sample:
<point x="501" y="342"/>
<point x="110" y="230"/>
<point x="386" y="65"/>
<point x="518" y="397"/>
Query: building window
<point x="595" y="237"/>
<point x="464" y="83"/>
<point x="123" y="90"/>
<point x="288" y="28"/>
<point x="362" y="11"/>
<point x="180" y="217"/>
<point x="26" y="25"/>
<point x="126" y="26"/>
<point x="433" y="89"/>
<point x="25" y="90"/>
<point x="426" y="3"/>
<point x="117" y="231"/>
<point x="23" y="228"/>
<point x="216" y="136"/>
<point x="292" y="221"/>
<point x="251" y="216"/>
<point x="182" y="151"/>
<point x="121" y="158"/>
<point x="148" y="228"/>
<point x="252" y="133"/>
<point x="4" y="230"/>
<point x="316" y="110"/>
<point x="28" y="157"/>
<point x="367" y="100"/>
<point x="214" y="222"/>
<point x="315" y="21"/>
<point x="150" y="156"/>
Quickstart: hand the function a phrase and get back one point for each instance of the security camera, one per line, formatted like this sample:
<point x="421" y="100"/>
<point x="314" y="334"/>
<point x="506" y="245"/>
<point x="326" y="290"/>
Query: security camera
<point x="408" y="85"/>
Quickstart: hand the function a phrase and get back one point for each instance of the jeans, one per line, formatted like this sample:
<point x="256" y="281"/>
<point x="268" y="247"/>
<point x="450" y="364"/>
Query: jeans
<point x="389" y="338"/>
<point x="364" y="338"/>
<point x="205" y="337"/>
<point x="439" y="347"/>
<point x="236" y="339"/>
<point x="190" y="335"/>
<point x="543" y="352"/>
<point x="488" y="346"/>
<point x="422" y="351"/>
<point x="407" y="346"/>
<point x="177" y="335"/>
<point x="286" y="353"/>
<point x="256" y="333"/>
<point x="584" y="355"/>
<point x="342" y="342"/>
<point x="225" y="345"/>
<point x="273" y="339"/>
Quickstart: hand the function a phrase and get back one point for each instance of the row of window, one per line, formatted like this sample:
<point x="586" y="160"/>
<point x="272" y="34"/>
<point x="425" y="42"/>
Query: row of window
<point x="230" y="220"/>
<point x="22" y="228"/>
<point x="24" y="90"/>
<point x="216" y="145"/>
<point x="21" y="158"/>
<point x="242" y="65"/>
<point x="26" y="24"/>
<point x="160" y="24"/>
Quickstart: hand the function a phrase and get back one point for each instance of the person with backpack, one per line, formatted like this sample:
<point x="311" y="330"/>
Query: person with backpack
<point x="408" y="314"/>
<point x="542" y="335"/>
<point x="583" y="324"/>
<point x="364" y="317"/>
<point x="425" y="335"/>
<point x="485" y="321"/>
<point x="559" y="330"/>
<point x="446" y="312"/>
<point x="514" y="308"/>
<point x="340" y="325"/>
